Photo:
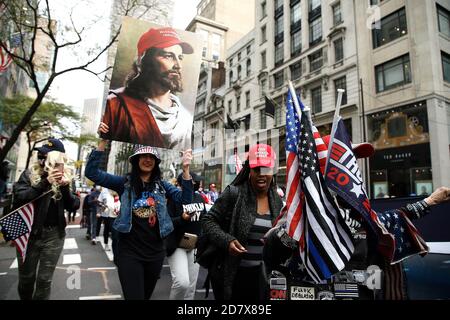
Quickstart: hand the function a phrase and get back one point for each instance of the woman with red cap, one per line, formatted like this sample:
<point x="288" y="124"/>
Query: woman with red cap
<point x="237" y="222"/>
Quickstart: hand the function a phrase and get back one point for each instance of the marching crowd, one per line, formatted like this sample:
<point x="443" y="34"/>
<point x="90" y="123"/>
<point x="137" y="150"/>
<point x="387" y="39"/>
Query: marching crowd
<point x="240" y="240"/>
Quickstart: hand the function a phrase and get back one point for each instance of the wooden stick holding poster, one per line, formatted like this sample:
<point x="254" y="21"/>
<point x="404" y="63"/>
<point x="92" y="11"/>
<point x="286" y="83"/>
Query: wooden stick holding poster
<point x="151" y="100"/>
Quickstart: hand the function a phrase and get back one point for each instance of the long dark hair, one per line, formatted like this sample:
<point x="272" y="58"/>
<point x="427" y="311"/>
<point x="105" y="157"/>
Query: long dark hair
<point x="135" y="177"/>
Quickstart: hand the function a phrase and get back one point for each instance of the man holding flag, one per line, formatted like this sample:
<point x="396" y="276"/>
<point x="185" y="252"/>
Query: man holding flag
<point x="37" y="227"/>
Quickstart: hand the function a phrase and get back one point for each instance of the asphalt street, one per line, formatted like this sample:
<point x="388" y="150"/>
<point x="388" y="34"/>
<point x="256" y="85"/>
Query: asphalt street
<point x="84" y="272"/>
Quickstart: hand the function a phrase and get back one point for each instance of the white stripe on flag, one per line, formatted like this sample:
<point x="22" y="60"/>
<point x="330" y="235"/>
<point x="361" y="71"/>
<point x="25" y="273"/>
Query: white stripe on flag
<point x="331" y="224"/>
<point x="341" y="231"/>
<point x="26" y="215"/>
<point x="315" y="226"/>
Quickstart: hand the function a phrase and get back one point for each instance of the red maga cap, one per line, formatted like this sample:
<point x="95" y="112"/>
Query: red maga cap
<point x="161" y="38"/>
<point x="261" y="155"/>
<point x="361" y="150"/>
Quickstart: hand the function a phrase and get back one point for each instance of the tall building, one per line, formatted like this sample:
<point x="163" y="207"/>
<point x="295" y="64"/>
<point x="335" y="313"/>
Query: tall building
<point x="221" y="26"/>
<point x="91" y="116"/>
<point x="379" y="52"/>
<point x="404" y="66"/>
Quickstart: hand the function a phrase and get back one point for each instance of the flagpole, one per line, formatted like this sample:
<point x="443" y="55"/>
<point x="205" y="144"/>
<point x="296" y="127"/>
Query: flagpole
<point x="335" y="121"/>
<point x="25" y="205"/>
<point x="294" y="98"/>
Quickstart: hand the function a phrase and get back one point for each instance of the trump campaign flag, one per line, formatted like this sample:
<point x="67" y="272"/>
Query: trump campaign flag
<point x="16" y="227"/>
<point x="342" y="175"/>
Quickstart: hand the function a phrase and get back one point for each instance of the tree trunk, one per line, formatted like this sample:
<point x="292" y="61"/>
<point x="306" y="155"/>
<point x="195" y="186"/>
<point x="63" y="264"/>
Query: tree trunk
<point x="29" y="150"/>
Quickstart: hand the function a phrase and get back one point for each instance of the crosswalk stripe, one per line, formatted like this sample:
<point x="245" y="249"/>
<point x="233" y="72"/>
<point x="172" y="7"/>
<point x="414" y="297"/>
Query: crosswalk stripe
<point x="15" y="264"/>
<point x="102" y="268"/>
<point x="118" y="296"/>
<point x="71" y="258"/>
<point x="73" y="226"/>
<point x="70" y="243"/>
<point x="3" y="273"/>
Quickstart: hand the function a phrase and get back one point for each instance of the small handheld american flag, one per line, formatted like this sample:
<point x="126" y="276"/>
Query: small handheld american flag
<point x="16" y="227"/>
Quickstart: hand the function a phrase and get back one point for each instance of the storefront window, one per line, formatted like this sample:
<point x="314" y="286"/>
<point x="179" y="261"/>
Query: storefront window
<point x="401" y="165"/>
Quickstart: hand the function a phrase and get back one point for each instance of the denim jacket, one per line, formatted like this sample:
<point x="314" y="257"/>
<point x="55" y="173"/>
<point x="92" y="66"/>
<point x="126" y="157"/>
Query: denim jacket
<point x="121" y="185"/>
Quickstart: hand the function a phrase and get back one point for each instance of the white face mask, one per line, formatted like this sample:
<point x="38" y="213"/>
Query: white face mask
<point x="97" y="188"/>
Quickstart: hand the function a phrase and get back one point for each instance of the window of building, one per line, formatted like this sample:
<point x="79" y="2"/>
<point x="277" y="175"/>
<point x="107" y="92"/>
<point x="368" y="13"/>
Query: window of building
<point x="249" y="49"/>
<point x="296" y="16"/>
<point x="238" y="104"/>
<point x="279" y="29"/>
<point x="231" y="62"/>
<point x="230" y="78"/>
<point x="263" y="60"/>
<point x="340" y="83"/>
<point x="263" y="119"/>
<point x="239" y="56"/>
<point x="263" y="87"/>
<point x="216" y="40"/>
<point x="392" y="27"/>
<point x="239" y="71"/>
<point x="249" y="67"/>
<point x="315" y="31"/>
<point x="296" y="70"/>
<point x="278" y="7"/>
<point x="316" y="99"/>
<point x="247" y="99"/>
<point x="230" y="106"/>
<point x="278" y="79"/>
<point x="315" y="61"/>
<point x="296" y="43"/>
<point x="443" y="20"/>
<point x="204" y="35"/>
<point x="279" y="54"/>
<point x="314" y="4"/>
<point x="393" y="73"/>
<point x="263" y="34"/>
<point x="337" y="14"/>
<point x="338" y="50"/>
<point x="446" y="66"/>
<point x="280" y="111"/>
<point x="263" y="9"/>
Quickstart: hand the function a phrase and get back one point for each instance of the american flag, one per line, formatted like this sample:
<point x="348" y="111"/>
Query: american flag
<point x="326" y="245"/>
<point x="16" y="227"/>
<point x="293" y="208"/>
<point x="408" y="242"/>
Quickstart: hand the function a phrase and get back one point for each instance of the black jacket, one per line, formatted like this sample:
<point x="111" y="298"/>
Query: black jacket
<point x="236" y="215"/>
<point x="24" y="192"/>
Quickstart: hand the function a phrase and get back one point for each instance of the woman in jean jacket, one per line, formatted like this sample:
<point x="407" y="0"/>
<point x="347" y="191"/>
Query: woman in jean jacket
<point x="143" y="221"/>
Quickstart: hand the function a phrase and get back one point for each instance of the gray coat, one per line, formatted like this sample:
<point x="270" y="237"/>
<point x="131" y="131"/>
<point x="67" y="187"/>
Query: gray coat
<point x="235" y="210"/>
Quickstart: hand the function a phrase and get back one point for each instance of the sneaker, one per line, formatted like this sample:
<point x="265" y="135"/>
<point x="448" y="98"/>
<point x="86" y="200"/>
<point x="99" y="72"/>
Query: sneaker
<point x="94" y="241"/>
<point x="88" y="237"/>
<point x="107" y="248"/>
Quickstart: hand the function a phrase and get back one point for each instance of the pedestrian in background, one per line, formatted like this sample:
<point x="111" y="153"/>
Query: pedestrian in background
<point x="181" y="243"/>
<point x="48" y="172"/>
